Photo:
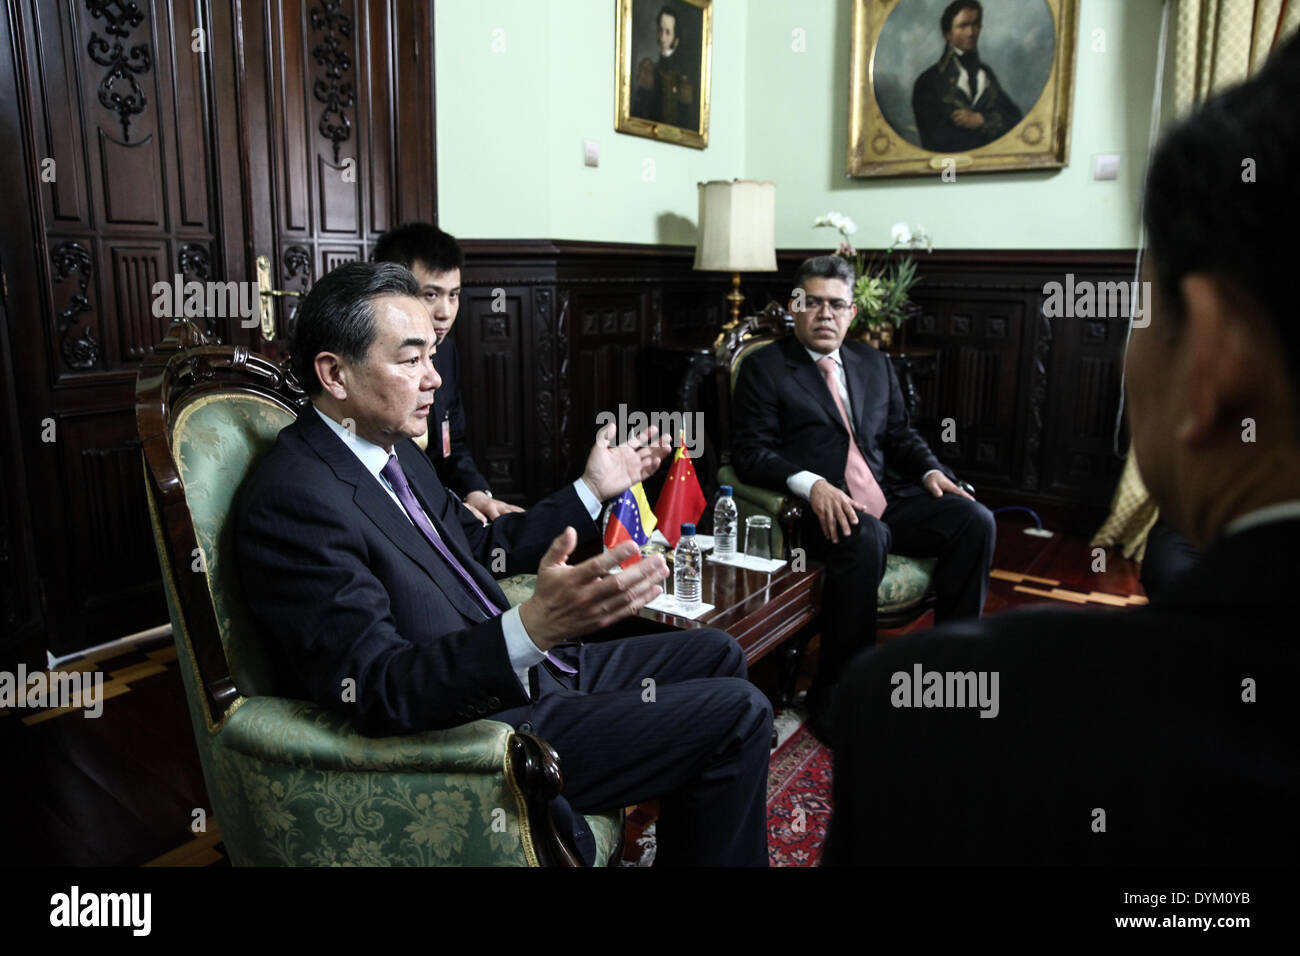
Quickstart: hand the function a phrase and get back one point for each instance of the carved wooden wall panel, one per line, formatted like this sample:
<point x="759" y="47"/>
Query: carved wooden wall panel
<point x="608" y="336"/>
<point x="979" y="335"/>
<point x="99" y="477"/>
<point x="120" y="114"/>
<point x="489" y="336"/>
<point x="1087" y="367"/>
<point x="150" y="138"/>
<point x="135" y="269"/>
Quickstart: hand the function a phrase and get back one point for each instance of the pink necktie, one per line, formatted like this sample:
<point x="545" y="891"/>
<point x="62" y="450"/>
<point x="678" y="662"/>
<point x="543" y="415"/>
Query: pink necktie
<point x="863" y="486"/>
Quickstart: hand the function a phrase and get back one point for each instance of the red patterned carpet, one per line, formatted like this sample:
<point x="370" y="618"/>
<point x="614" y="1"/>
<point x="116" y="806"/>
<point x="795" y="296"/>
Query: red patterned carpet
<point x="798" y="800"/>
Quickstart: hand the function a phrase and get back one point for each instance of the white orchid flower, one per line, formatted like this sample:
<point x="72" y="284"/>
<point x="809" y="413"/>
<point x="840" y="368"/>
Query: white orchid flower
<point x="900" y="234"/>
<point x="838" y="221"/>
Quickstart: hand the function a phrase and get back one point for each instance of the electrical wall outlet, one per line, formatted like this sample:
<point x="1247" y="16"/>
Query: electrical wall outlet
<point x="1105" y="166"/>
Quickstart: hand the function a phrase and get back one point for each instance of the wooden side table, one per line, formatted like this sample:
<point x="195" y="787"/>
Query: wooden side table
<point x="760" y="611"/>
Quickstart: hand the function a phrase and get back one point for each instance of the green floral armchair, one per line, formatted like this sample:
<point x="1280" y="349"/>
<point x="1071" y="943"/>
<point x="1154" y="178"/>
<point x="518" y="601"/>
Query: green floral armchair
<point x="290" y="783"/>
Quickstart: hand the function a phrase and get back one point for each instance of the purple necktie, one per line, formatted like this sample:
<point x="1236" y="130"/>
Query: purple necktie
<point x="397" y="478"/>
<point x="402" y="488"/>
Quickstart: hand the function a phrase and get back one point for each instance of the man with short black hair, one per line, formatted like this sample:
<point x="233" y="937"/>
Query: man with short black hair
<point x="366" y="575"/>
<point x="1157" y="735"/>
<point x="823" y="417"/>
<point x="436" y="260"/>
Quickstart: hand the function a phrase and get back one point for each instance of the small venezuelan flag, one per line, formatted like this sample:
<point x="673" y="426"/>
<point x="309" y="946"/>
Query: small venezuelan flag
<point x="630" y="519"/>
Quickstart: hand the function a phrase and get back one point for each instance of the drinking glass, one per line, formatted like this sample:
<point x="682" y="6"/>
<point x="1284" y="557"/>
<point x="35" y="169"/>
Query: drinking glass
<point x="758" y="536"/>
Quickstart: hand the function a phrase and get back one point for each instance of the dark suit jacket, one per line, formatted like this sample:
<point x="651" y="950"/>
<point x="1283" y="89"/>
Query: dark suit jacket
<point x="344" y="586"/>
<point x="457" y="471"/>
<point x="936" y="94"/>
<point x="1138" y="712"/>
<point x="784" y="420"/>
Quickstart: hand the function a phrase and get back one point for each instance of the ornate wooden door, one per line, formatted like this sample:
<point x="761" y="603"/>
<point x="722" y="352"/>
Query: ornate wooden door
<point x="340" y="129"/>
<point x="146" y="141"/>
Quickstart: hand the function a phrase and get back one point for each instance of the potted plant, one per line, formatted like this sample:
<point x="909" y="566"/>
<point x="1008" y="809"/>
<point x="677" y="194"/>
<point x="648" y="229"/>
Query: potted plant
<point x="883" y="287"/>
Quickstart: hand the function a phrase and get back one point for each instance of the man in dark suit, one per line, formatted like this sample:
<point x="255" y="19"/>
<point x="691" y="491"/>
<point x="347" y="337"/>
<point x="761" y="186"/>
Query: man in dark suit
<point x="368" y="579"/>
<point x="958" y="102"/>
<point x="824" y="418"/>
<point x="1157" y="735"/>
<point x="436" y="259"/>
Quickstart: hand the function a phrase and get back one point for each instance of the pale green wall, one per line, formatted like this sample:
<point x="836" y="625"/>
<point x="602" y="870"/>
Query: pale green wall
<point x="493" y="135"/>
<point x="511" y="126"/>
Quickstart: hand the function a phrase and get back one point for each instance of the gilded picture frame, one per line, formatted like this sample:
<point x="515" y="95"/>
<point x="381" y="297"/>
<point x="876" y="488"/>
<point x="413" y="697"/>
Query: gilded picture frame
<point x="664" y="95"/>
<point x="913" y="109"/>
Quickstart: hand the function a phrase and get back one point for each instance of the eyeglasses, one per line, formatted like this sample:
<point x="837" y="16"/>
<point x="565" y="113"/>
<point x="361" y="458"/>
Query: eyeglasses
<point x="814" y="303"/>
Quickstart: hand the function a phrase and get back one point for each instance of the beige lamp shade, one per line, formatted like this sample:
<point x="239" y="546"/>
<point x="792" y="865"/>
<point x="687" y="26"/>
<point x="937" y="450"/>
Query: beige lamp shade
<point x="737" y="226"/>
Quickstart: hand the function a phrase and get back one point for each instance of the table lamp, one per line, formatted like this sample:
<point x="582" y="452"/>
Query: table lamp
<point x="737" y="232"/>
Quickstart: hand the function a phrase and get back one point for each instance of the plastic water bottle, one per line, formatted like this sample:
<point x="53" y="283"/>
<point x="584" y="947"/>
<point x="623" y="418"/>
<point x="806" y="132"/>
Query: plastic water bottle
<point x="686" y="567"/>
<point x="725" y="518"/>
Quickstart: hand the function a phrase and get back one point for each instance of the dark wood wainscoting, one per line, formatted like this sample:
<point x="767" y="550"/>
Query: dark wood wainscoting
<point x="1034" y="399"/>
<point x="554" y="332"/>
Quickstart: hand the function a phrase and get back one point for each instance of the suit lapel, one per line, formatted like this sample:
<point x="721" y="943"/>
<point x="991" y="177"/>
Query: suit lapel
<point x="386" y="514"/>
<point x="805" y="372"/>
<point x="453" y="537"/>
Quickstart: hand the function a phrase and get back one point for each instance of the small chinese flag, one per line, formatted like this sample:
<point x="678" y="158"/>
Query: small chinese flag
<point x="681" y="499"/>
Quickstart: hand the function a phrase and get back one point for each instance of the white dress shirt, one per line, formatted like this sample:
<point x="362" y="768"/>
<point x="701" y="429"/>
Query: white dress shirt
<point x="524" y="654"/>
<point x="963" y="81"/>
<point x="801" y="482"/>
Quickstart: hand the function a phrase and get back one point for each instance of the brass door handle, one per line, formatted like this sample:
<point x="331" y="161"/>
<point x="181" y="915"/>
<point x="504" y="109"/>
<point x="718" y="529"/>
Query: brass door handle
<point x="267" y="296"/>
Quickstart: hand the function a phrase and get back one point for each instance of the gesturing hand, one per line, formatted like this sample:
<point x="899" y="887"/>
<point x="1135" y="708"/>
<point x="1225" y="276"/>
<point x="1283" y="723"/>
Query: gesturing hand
<point x="937" y="483"/>
<point x="573" y="600"/>
<point x="836" y="511"/>
<point x="612" y="469"/>
<point x="490" y="508"/>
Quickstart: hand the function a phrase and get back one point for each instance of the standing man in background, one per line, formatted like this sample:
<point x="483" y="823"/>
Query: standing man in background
<point x="435" y="259"/>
